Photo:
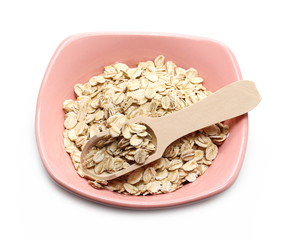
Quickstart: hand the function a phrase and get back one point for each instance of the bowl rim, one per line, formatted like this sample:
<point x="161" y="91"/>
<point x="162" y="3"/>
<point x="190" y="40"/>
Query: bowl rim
<point x="137" y="204"/>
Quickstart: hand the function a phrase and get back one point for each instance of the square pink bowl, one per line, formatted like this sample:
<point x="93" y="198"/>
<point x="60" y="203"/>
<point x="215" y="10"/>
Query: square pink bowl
<point x="80" y="56"/>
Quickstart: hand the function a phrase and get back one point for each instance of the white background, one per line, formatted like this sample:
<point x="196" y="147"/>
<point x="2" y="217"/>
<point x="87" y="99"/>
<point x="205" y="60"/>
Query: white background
<point x="255" y="207"/>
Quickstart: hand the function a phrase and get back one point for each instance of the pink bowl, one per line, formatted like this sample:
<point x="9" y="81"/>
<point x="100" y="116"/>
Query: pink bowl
<point x="80" y="56"/>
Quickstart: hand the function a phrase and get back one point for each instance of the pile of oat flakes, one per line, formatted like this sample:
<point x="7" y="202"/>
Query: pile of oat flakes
<point x="154" y="89"/>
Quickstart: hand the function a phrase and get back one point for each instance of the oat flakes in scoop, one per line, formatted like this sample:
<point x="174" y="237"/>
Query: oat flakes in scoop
<point x="153" y="89"/>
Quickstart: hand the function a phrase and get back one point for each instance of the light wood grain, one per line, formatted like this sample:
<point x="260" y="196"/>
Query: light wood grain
<point x="228" y="102"/>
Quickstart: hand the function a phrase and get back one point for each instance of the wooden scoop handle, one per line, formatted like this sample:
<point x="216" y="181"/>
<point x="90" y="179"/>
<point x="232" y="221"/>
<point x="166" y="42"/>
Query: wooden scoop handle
<point x="230" y="101"/>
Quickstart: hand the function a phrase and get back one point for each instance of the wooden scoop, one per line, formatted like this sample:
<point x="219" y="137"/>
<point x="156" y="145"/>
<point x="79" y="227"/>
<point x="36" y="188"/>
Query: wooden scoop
<point x="230" y="101"/>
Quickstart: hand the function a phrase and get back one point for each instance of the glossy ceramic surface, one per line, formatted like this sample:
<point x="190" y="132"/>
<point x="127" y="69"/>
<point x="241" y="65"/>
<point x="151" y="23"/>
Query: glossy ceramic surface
<point x="80" y="56"/>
